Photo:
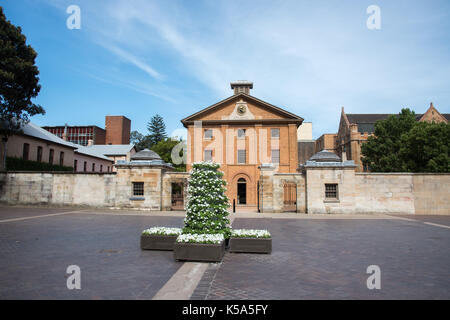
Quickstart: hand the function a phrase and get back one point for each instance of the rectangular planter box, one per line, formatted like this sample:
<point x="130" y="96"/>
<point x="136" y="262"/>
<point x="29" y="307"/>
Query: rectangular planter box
<point x="198" y="251"/>
<point x="251" y="245"/>
<point x="157" y="242"/>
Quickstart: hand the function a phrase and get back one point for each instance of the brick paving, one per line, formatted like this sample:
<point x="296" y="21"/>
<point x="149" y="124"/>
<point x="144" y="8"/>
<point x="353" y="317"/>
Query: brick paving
<point x="35" y="253"/>
<point x="26" y="212"/>
<point x="327" y="259"/>
<point x="443" y="220"/>
<point x="311" y="258"/>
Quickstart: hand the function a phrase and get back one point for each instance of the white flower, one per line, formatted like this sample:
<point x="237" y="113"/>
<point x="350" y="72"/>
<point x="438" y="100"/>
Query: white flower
<point x="201" y="238"/>
<point x="162" y="231"/>
<point x="250" y="233"/>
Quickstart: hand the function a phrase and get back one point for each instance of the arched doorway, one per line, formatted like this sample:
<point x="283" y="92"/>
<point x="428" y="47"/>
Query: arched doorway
<point x="242" y="191"/>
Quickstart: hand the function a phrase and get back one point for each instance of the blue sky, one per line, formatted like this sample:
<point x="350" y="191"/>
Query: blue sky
<point x="139" y="58"/>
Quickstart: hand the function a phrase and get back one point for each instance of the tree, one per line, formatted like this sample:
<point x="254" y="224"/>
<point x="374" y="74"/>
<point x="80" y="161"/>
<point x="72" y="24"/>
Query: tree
<point x="381" y="152"/>
<point x="206" y="210"/>
<point x="425" y="148"/>
<point x="19" y="82"/>
<point x="164" y="149"/>
<point x="140" y="141"/>
<point x="136" y="137"/>
<point x="157" y="130"/>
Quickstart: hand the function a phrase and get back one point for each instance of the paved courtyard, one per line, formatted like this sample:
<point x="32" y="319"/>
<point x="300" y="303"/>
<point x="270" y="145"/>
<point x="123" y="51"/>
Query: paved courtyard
<point x="324" y="258"/>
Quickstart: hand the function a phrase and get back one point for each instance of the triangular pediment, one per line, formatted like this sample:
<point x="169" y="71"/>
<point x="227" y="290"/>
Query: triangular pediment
<point x="242" y="107"/>
<point x="432" y="114"/>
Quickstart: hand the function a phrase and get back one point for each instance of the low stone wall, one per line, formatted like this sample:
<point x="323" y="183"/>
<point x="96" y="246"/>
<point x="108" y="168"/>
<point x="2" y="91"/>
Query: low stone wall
<point x="431" y="193"/>
<point x="90" y="189"/>
<point x="384" y="193"/>
<point x="414" y="193"/>
<point x="406" y="193"/>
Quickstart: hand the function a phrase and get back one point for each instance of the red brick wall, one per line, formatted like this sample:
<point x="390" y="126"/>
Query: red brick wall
<point x="117" y="130"/>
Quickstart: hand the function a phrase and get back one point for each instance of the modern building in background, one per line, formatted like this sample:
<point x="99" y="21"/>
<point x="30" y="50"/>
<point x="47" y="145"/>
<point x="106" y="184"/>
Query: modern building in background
<point x="117" y="131"/>
<point x="82" y="135"/>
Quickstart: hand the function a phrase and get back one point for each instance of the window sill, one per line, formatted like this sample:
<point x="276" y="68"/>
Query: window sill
<point x="331" y="201"/>
<point x="136" y="198"/>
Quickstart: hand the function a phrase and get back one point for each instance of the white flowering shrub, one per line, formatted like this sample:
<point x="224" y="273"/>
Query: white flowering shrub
<point x="206" y="209"/>
<point x="201" y="238"/>
<point x="163" y="231"/>
<point x="250" y="233"/>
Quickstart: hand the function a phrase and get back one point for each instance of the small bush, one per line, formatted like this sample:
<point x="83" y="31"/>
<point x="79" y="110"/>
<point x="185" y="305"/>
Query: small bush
<point x="19" y="164"/>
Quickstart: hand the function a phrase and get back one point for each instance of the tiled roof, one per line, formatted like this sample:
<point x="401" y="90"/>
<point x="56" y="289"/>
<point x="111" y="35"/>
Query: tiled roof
<point x="111" y="149"/>
<point x="33" y="130"/>
<point x="366" y="118"/>
<point x="90" y="152"/>
<point x="372" y="118"/>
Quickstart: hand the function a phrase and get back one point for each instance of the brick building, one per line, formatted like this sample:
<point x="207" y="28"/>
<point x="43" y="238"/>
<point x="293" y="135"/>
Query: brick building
<point x="117" y="131"/>
<point x="243" y="133"/>
<point x="354" y="129"/>
<point x="326" y="141"/>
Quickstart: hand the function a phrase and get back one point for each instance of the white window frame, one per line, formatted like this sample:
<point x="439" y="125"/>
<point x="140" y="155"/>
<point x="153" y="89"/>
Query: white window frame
<point x="239" y="152"/>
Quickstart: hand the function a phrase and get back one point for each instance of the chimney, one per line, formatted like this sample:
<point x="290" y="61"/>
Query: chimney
<point x="64" y="136"/>
<point x="241" y="86"/>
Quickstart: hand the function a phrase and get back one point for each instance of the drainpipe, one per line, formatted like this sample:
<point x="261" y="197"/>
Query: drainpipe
<point x="262" y="190"/>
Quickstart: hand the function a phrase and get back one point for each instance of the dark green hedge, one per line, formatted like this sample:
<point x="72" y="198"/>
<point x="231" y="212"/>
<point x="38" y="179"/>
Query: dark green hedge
<point x="19" y="164"/>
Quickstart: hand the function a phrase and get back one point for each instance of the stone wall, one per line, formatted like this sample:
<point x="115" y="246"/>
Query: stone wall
<point x="431" y="193"/>
<point x="315" y="190"/>
<point x="384" y="192"/>
<point x="405" y="193"/>
<point x="152" y="179"/>
<point x="91" y="189"/>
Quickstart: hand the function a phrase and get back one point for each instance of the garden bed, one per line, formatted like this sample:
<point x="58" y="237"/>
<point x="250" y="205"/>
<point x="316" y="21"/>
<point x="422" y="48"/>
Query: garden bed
<point x="159" y="238"/>
<point x="250" y="241"/>
<point x="209" y="248"/>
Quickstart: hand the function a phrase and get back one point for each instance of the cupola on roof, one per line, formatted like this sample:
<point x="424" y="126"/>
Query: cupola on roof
<point x="241" y="86"/>
<point x="325" y="156"/>
<point x="146" y="154"/>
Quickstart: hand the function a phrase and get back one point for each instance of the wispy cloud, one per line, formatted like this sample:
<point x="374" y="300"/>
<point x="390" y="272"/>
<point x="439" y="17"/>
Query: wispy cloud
<point x="311" y="58"/>
<point x="128" y="57"/>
